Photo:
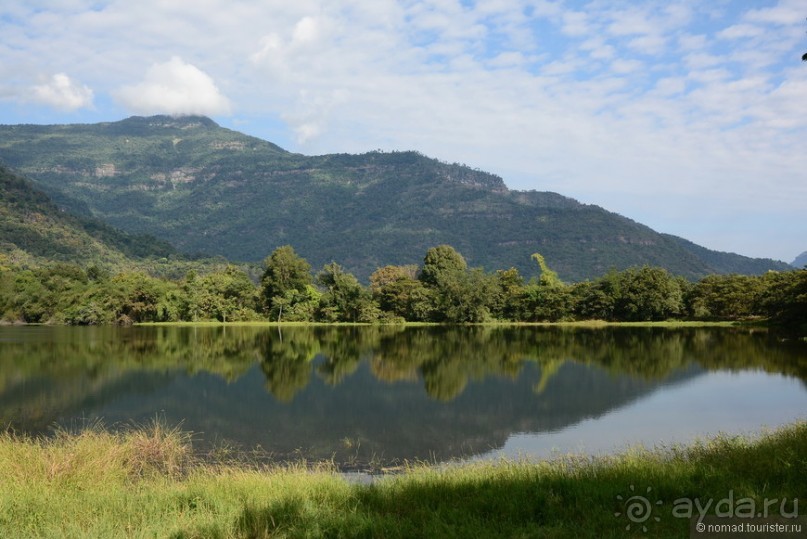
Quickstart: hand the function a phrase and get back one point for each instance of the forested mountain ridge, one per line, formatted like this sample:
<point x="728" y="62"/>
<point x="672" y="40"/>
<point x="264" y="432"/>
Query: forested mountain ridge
<point x="800" y="261"/>
<point x="206" y="189"/>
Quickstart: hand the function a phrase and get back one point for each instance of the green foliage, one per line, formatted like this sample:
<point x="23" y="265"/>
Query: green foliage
<point x="441" y="266"/>
<point x="286" y="276"/>
<point x="227" y="295"/>
<point x="546" y="303"/>
<point x="126" y="298"/>
<point x="460" y="296"/>
<point x="648" y="294"/>
<point x="296" y="305"/>
<point x="548" y="277"/>
<point x="397" y="291"/>
<point x="785" y="298"/>
<point x="344" y="299"/>
<point x="725" y="297"/>
<point x="507" y="290"/>
<point x="596" y="300"/>
<point x="444" y="291"/>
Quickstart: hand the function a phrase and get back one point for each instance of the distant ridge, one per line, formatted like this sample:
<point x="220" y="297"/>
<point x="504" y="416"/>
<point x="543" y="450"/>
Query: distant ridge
<point x="800" y="261"/>
<point x="722" y="262"/>
<point x="207" y="189"/>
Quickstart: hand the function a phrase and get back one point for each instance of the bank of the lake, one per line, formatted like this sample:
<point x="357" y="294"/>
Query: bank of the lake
<point x="496" y="323"/>
<point x="147" y="483"/>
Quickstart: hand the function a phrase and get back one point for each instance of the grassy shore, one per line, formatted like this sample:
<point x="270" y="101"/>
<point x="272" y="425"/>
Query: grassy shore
<point x="147" y="483"/>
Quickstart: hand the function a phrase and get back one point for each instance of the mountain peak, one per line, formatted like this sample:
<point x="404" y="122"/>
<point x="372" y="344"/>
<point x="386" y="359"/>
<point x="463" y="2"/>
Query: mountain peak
<point x="169" y="122"/>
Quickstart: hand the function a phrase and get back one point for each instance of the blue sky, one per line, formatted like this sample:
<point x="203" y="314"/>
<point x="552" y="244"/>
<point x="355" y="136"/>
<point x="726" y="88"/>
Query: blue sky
<point x="687" y="116"/>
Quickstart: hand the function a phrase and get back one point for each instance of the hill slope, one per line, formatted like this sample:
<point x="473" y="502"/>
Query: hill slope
<point x="207" y="189"/>
<point x="800" y="261"/>
<point x="32" y="227"/>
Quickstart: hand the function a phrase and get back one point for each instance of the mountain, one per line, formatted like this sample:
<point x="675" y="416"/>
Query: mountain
<point x="32" y="227"/>
<point x="723" y="262"/>
<point x="801" y="260"/>
<point x="207" y="189"/>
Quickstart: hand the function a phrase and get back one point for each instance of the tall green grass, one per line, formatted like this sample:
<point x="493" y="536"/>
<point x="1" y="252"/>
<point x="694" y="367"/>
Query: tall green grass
<point x="146" y="482"/>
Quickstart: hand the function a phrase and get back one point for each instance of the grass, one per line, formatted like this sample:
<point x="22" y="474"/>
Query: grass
<point x="146" y="482"/>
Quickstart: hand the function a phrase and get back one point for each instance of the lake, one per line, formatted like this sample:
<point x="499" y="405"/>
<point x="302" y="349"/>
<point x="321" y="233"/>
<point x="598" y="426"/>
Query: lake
<point x="378" y="396"/>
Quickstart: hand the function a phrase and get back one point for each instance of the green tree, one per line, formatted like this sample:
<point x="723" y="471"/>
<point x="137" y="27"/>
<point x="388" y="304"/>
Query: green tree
<point x="442" y="266"/>
<point x="548" y="299"/>
<point x="228" y="295"/>
<point x="785" y="299"/>
<point x="459" y="296"/>
<point x="40" y="295"/>
<point x="390" y="274"/>
<point x="296" y="306"/>
<point x="284" y="270"/>
<point x="594" y="300"/>
<point x="345" y="300"/>
<point x="125" y="298"/>
<point x="548" y="277"/>
<point x="648" y="294"/>
<point x="545" y="303"/>
<point x="507" y="293"/>
<point x="397" y="291"/>
<point x="725" y="297"/>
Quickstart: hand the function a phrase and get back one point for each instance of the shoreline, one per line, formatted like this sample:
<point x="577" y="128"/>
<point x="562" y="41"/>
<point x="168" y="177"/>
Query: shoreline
<point x="579" y="323"/>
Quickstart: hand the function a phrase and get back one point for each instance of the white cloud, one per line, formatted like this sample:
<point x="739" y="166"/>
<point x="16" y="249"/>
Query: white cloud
<point x="62" y="93"/>
<point x="785" y="13"/>
<point x="631" y="22"/>
<point x="575" y="23"/>
<point x="670" y="86"/>
<point x="306" y="30"/>
<point x="692" y="42"/>
<point x="176" y="88"/>
<point x="589" y="98"/>
<point x="648" y="44"/>
<point x="626" y="66"/>
<point x="740" y="31"/>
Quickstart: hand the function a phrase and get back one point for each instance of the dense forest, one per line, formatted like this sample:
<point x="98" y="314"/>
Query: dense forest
<point x="442" y="290"/>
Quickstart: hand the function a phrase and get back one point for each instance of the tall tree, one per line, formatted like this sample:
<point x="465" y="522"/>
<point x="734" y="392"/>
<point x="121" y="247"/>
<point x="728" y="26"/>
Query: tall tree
<point x="397" y="291"/>
<point x="548" y="277"/>
<point x="284" y="271"/>
<point x="459" y="295"/>
<point x="345" y="299"/>
<point x="648" y="294"/>
<point x="442" y="265"/>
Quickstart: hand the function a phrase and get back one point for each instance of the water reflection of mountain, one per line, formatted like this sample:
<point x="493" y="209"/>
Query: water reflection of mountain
<point x="356" y="393"/>
<point x="362" y="419"/>
<point x="39" y="405"/>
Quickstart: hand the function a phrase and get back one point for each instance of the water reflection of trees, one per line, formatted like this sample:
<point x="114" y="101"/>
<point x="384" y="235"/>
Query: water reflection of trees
<point x="285" y="362"/>
<point x="445" y="360"/>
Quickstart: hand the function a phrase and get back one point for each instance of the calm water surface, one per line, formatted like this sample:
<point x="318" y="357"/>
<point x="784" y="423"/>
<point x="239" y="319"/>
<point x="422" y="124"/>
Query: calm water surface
<point x="365" y="395"/>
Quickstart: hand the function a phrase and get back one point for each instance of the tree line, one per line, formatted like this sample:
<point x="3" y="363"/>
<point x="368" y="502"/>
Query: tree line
<point x="442" y="290"/>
